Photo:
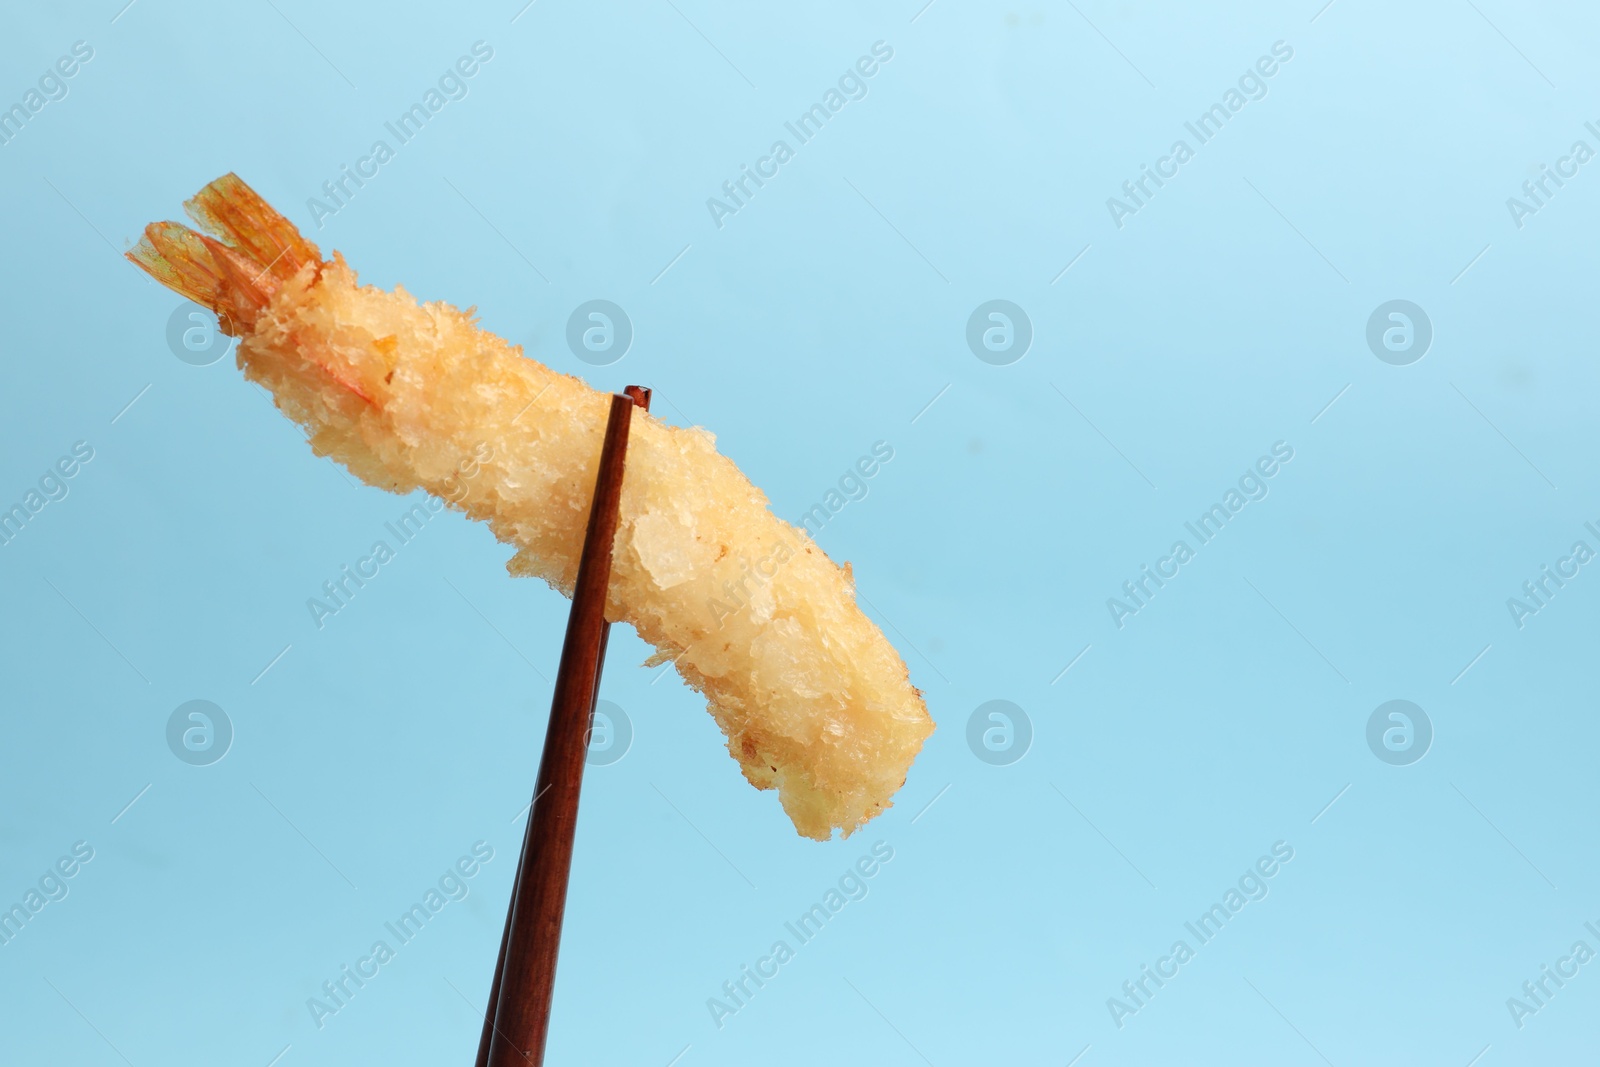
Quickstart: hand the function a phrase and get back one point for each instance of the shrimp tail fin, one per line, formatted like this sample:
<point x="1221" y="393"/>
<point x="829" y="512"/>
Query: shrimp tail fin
<point x="251" y="251"/>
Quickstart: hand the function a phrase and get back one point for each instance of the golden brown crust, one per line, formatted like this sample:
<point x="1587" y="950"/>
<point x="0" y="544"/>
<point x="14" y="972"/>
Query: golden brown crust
<point x="814" y="701"/>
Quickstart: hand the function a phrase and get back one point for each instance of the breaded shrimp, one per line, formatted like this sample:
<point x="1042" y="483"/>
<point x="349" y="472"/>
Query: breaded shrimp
<point x="813" y="699"/>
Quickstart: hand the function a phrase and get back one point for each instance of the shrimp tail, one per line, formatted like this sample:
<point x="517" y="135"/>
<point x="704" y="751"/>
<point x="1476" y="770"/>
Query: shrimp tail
<point x="814" y="700"/>
<point x="247" y="251"/>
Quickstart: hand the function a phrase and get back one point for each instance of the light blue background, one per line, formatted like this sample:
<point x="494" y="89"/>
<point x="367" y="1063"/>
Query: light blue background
<point x="825" y="316"/>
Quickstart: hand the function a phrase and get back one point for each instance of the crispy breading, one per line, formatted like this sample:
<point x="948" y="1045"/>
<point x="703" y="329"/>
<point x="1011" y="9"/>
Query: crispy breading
<point x="813" y="699"/>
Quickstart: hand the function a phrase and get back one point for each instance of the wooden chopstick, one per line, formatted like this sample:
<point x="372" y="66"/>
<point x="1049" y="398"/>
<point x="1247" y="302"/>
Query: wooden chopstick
<point x="518" y="1020"/>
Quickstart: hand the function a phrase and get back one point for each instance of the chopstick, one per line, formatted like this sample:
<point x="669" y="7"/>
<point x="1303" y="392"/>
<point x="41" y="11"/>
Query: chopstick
<point x="517" y="1023"/>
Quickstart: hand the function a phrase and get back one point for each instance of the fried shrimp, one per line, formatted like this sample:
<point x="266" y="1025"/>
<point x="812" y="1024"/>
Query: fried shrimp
<point x="813" y="699"/>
